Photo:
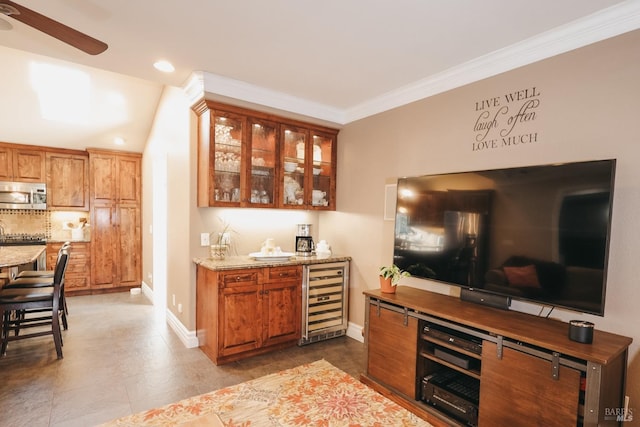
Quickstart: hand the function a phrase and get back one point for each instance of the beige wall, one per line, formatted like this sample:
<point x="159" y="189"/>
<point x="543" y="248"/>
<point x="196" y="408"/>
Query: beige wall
<point x="588" y="110"/>
<point x="166" y="206"/>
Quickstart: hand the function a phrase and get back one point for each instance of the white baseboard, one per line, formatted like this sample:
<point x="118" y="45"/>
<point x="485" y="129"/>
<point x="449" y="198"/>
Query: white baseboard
<point x="188" y="338"/>
<point x="355" y="331"/>
<point x="147" y="291"/>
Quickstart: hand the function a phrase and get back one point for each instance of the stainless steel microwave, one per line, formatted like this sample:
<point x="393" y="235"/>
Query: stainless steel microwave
<point x="23" y="195"/>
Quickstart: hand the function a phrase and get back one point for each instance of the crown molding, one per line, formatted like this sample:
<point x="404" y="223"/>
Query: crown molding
<point x="201" y="82"/>
<point x="607" y="23"/>
<point x="599" y="26"/>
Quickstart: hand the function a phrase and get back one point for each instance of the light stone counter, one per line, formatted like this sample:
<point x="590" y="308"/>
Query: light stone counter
<point x="240" y="262"/>
<point x="11" y="256"/>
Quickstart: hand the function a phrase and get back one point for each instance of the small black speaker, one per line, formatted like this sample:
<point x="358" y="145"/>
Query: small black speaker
<point x="581" y="331"/>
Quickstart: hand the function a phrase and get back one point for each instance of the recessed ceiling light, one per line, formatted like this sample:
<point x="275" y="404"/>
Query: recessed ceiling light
<point x="118" y="140"/>
<point x="164" y="66"/>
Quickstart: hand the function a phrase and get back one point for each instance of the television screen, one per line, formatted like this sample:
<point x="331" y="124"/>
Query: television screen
<point x="537" y="233"/>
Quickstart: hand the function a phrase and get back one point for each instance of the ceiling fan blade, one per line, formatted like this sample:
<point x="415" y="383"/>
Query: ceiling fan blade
<point x="54" y="28"/>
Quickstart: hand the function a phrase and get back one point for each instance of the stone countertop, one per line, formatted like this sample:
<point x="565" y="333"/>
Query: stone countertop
<point x="11" y="256"/>
<point x="240" y="262"/>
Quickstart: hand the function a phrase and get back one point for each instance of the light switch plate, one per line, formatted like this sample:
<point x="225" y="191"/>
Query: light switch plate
<point x="204" y="239"/>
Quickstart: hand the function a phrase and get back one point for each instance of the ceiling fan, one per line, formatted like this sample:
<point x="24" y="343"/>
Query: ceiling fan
<point x="53" y="28"/>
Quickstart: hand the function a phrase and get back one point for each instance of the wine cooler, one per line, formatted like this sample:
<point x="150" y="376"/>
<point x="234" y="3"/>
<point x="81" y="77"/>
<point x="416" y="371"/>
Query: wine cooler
<point x="325" y="301"/>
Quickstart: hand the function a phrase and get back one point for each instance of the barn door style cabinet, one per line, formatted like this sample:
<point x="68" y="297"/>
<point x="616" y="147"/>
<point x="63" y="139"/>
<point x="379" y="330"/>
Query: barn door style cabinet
<point x="248" y="158"/>
<point x="115" y="190"/>
<point x="457" y="363"/>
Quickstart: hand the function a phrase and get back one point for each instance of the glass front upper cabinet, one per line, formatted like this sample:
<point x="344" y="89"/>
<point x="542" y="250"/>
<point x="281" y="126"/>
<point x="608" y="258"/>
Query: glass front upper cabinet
<point x="323" y="173"/>
<point x="262" y="175"/>
<point x="248" y="158"/>
<point x="227" y="162"/>
<point x="294" y="149"/>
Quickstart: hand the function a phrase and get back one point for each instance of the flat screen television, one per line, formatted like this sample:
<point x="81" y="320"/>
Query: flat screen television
<point x="535" y="233"/>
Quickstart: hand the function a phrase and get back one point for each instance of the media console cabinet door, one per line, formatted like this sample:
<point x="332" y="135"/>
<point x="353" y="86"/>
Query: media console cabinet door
<point x="518" y="390"/>
<point x="392" y="349"/>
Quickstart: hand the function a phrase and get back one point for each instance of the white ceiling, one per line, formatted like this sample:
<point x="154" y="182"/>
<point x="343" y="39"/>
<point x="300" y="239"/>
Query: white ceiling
<point x="336" y="60"/>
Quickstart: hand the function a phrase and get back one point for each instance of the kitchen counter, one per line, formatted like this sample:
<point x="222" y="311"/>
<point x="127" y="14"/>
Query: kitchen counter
<point x="11" y="256"/>
<point x="240" y="262"/>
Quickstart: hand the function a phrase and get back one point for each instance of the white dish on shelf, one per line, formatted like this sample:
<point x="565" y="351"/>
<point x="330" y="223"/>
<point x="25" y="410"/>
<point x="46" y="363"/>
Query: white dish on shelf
<point x="290" y="166"/>
<point x="282" y="256"/>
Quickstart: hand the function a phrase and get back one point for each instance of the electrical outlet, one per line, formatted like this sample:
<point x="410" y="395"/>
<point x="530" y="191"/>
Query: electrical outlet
<point x="204" y="239"/>
<point x="179" y="308"/>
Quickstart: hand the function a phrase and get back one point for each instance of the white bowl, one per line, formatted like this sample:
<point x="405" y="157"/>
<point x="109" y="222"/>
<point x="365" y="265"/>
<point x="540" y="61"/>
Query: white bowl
<point x="290" y="166"/>
<point x="316" y="171"/>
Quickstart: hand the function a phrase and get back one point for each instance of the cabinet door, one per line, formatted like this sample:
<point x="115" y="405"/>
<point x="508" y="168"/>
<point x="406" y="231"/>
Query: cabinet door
<point x="295" y="153"/>
<point x="67" y="181"/>
<point x="239" y="319"/>
<point x="103" y="246"/>
<point x="281" y="312"/>
<point x="227" y="159"/>
<point x="103" y="177"/>
<point x="129" y="270"/>
<point x="128" y="179"/>
<point x="28" y="165"/>
<point x="392" y="349"/>
<point x="323" y="176"/>
<point x="519" y="390"/>
<point x="262" y="174"/>
<point x="6" y="163"/>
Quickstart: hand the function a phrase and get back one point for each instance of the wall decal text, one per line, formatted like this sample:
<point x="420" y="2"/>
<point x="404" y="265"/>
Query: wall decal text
<point x="507" y="120"/>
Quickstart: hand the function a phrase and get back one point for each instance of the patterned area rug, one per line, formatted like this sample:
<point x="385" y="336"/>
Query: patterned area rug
<point x="315" y="394"/>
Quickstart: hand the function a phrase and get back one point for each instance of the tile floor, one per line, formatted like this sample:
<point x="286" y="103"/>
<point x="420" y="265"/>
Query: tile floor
<point x="119" y="359"/>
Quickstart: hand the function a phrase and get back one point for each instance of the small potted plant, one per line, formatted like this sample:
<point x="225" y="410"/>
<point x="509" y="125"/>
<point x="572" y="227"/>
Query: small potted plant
<point x="390" y="275"/>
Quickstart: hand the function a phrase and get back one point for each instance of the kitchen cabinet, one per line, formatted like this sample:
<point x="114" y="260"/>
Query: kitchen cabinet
<point x="248" y="158"/>
<point x="309" y="178"/>
<point x="115" y="219"/>
<point x="21" y="163"/>
<point x="67" y="181"/>
<point x="281" y="305"/>
<point x="244" y="312"/>
<point x="241" y="153"/>
<point x="77" y="279"/>
<point x="475" y="365"/>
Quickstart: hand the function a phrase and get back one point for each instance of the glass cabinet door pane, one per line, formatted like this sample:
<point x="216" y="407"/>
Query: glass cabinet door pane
<point x="228" y="159"/>
<point x="294" y="148"/>
<point x="263" y="163"/>
<point x="322" y="169"/>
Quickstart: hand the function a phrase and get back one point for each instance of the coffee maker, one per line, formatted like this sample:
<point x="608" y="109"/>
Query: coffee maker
<point x="304" y="241"/>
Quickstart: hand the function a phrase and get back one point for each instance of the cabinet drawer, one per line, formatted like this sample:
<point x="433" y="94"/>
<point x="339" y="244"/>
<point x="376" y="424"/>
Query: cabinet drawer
<point x="239" y="278"/>
<point x="278" y="273"/>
